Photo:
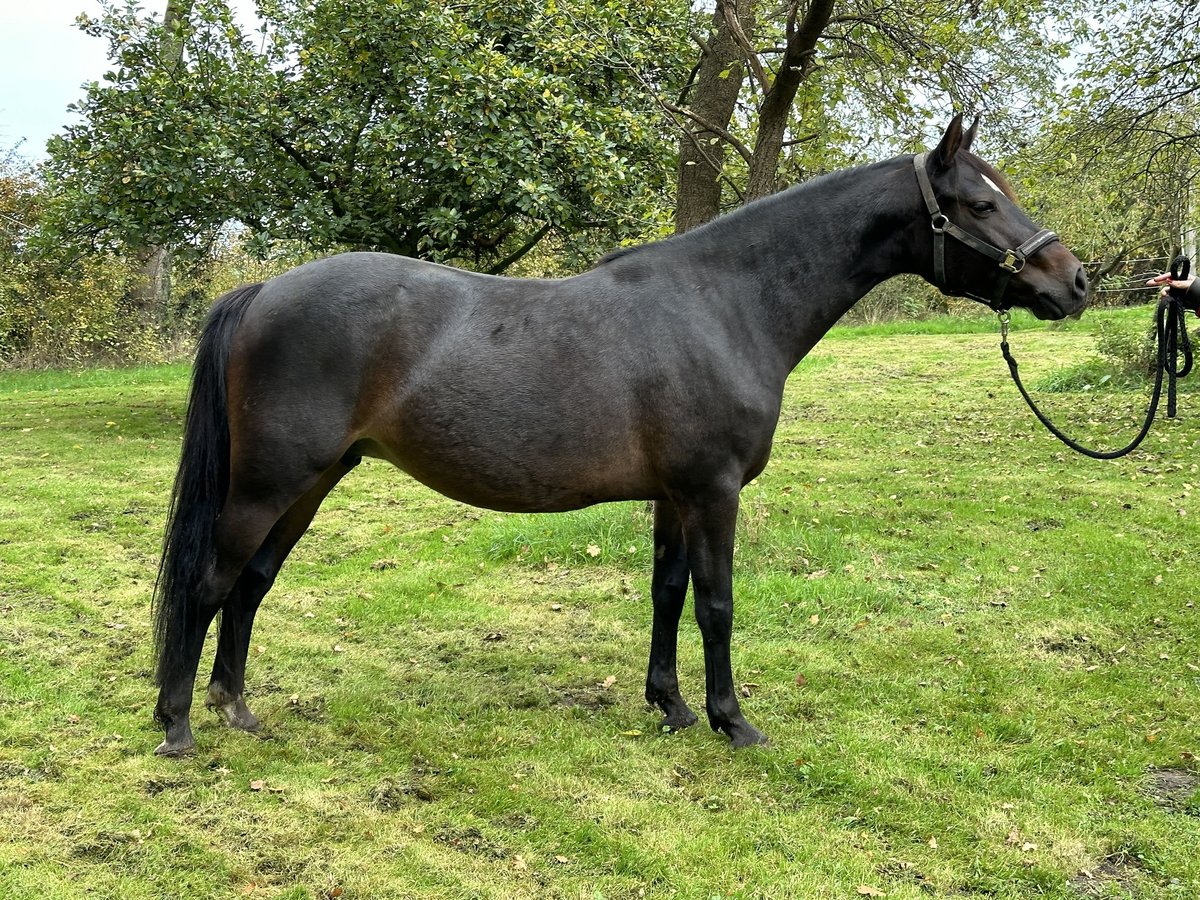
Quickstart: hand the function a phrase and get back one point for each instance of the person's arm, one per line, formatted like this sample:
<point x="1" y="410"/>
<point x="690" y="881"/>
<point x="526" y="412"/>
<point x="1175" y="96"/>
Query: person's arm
<point x="1192" y="298"/>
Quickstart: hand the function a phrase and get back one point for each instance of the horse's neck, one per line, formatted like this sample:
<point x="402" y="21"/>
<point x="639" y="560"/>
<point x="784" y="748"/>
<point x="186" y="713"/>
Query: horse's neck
<point x="809" y="254"/>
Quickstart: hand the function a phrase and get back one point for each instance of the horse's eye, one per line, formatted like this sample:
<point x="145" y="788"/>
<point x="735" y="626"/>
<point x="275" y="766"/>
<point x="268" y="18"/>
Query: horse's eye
<point x="983" y="207"/>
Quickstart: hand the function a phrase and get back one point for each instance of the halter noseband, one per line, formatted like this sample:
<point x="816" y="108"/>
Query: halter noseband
<point x="1010" y="261"/>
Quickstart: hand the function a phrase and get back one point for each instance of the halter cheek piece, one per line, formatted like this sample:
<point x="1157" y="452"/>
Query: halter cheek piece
<point x="1010" y="261"/>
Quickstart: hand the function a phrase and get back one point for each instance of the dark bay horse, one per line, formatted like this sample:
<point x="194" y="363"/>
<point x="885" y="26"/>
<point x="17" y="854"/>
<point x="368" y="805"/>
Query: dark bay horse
<point x="658" y="375"/>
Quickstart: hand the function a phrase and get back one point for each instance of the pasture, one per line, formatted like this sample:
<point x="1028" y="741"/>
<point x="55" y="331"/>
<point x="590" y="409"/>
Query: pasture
<point x="977" y="656"/>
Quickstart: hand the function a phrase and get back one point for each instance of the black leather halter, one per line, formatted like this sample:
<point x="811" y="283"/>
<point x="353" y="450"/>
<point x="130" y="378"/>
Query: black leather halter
<point x="1010" y="261"/>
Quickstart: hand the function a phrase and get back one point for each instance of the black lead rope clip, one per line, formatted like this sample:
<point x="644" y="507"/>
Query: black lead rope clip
<point x="1171" y="333"/>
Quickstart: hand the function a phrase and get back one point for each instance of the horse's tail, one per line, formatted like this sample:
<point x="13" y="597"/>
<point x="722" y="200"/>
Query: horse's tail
<point x="200" y="485"/>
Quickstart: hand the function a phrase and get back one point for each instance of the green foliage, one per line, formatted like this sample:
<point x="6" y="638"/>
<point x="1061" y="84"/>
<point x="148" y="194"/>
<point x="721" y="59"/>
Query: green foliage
<point x="58" y="306"/>
<point x="886" y="70"/>
<point x="1114" y="166"/>
<point x="1129" y="350"/>
<point x="459" y="132"/>
<point x="62" y="311"/>
<point x="904" y="297"/>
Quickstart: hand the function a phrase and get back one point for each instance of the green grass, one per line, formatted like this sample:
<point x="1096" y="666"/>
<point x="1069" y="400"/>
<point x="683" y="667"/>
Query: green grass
<point x="998" y="642"/>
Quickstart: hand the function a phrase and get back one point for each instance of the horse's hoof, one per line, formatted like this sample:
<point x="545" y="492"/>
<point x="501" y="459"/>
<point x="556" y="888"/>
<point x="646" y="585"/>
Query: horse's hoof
<point x="743" y="734"/>
<point x="233" y="712"/>
<point x="175" y="749"/>
<point x="237" y="715"/>
<point x="678" y="721"/>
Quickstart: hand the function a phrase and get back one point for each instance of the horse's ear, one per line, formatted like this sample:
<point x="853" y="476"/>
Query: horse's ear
<point x="969" y="137"/>
<point x="950" y="144"/>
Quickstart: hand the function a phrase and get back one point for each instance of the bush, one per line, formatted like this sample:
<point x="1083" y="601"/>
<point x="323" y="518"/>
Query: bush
<point x="71" y="311"/>
<point x="905" y="297"/>
<point x="1130" y="350"/>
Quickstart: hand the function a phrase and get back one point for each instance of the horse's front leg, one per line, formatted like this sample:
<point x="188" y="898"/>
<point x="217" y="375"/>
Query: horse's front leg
<point x="668" y="589"/>
<point x="708" y="528"/>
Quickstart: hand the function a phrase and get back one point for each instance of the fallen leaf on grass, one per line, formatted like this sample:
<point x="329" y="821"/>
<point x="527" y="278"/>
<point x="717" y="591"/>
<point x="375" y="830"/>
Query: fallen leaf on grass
<point x="866" y="890"/>
<point x="933" y="843"/>
<point x="593" y="551"/>
<point x="801" y="681"/>
<point x="609" y="681"/>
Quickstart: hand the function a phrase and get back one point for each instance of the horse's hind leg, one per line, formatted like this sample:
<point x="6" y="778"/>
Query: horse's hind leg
<point x="668" y="590"/>
<point x="240" y="530"/>
<point x="237" y="616"/>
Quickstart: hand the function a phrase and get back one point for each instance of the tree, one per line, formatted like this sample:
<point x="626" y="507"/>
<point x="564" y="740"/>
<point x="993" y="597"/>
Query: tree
<point x="151" y="291"/>
<point x="1139" y="91"/>
<point x="466" y="131"/>
<point x="819" y="80"/>
<point x="1141" y="78"/>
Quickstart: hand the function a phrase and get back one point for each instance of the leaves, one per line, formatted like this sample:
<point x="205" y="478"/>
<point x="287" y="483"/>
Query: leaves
<point x="449" y="131"/>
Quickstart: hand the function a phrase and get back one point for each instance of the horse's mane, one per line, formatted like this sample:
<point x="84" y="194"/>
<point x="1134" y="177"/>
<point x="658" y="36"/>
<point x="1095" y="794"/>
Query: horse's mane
<point x="725" y="220"/>
<point x="981" y="166"/>
<point x="617" y="254"/>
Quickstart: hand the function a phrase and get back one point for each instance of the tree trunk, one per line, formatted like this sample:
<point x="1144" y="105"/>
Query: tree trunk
<point x="776" y="106"/>
<point x="151" y="290"/>
<point x="702" y="151"/>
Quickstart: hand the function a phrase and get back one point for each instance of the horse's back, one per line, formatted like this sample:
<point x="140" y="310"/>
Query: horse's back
<point x="507" y="393"/>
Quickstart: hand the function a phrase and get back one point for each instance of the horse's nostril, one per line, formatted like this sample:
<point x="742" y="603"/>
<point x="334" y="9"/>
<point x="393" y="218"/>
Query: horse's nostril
<point x="1081" y="281"/>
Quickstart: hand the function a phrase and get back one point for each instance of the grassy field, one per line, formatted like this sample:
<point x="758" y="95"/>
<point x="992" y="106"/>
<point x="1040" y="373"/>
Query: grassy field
<point x="977" y="656"/>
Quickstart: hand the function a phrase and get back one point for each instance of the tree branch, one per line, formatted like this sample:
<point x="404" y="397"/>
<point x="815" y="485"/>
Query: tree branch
<point x="705" y="125"/>
<point x="740" y="38"/>
<point x="521" y="251"/>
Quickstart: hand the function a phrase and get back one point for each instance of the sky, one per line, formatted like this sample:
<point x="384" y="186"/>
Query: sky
<point x="44" y="61"/>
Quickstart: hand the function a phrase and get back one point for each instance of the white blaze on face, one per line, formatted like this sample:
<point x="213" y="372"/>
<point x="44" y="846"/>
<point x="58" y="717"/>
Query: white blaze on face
<point x="995" y="187"/>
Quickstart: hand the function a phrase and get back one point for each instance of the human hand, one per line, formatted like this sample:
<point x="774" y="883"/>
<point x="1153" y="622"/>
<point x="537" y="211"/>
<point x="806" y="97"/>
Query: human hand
<point x="1167" y="282"/>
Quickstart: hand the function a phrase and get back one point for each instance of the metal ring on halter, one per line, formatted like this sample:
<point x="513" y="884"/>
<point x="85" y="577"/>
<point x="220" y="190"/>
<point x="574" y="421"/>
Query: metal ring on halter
<point x="939" y="223"/>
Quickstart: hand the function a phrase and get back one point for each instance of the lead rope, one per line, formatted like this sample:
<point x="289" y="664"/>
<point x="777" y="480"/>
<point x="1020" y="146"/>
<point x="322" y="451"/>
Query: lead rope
<point x="1172" y="337"/>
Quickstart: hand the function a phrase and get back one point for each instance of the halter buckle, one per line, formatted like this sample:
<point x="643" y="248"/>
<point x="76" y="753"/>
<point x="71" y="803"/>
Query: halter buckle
<point x="1012" y="262"/>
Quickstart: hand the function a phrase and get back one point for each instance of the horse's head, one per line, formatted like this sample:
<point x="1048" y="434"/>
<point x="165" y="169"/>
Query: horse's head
<point x="982" y="245"/>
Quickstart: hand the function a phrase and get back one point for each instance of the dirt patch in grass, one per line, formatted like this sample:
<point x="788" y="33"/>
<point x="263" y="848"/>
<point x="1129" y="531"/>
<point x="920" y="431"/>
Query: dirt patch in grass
<point x="471" y="841"/>
<point x="592" y="697"/>
<point x="1118" y="871"/>
<point x="1172" y="788"/>
<point x="392" y="793"/>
